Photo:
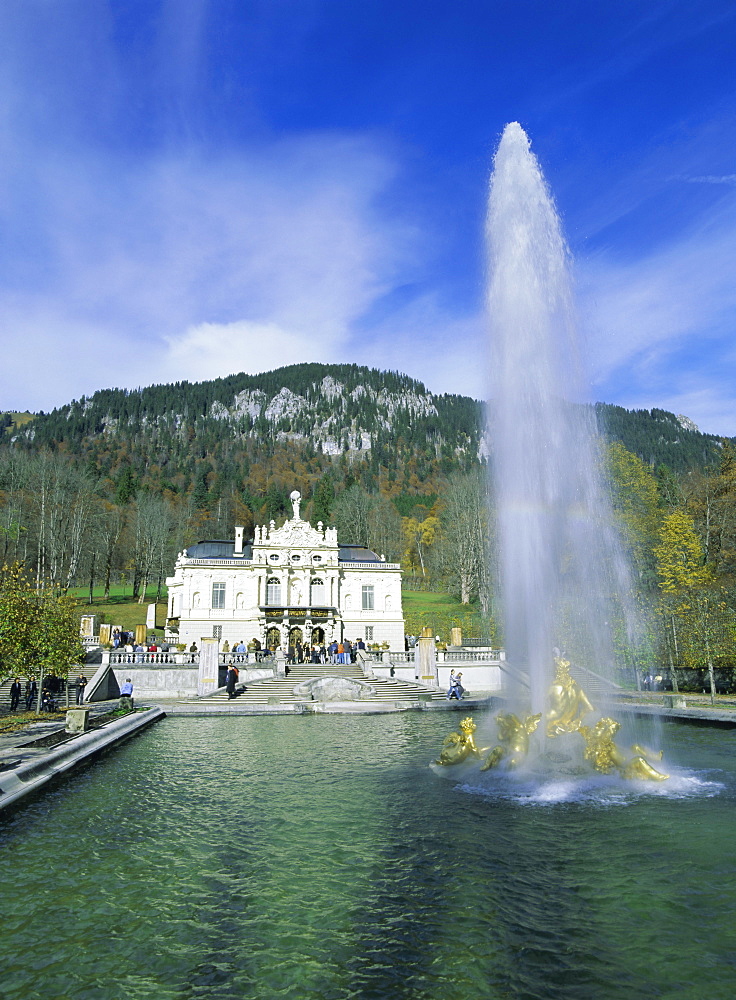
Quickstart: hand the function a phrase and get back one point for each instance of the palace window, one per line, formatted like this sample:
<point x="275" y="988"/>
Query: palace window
<point x="273" y="591"/>
<point x="217" y="632"/>
<point x="218" y="595"/>
<point x="317" y="593"/>
<point x="368" y="598"/>
<point x="369" y="633"/>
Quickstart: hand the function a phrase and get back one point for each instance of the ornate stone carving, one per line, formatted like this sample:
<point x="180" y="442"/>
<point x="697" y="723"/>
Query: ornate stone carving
<point x="295" y="533"/>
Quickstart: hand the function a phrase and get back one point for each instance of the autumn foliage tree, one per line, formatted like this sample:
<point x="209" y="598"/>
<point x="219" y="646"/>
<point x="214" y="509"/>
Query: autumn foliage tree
<point x="690" y="595"/>
<point x="39" y="628"/>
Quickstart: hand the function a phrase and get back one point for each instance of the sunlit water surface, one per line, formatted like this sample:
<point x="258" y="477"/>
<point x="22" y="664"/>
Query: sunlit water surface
<point x="322" y="858"/>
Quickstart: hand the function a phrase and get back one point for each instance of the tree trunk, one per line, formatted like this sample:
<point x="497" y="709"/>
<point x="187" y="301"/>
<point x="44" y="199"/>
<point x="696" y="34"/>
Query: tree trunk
<point x="92" y="580"/>
<point x="711" y="676"/>
<point x="673" y="669"/>
<point x="39" y="693"/>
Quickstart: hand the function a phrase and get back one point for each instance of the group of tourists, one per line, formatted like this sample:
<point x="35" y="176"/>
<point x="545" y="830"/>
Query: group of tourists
<point x="136" y="650"/>
<point x="337" y="652"/>
<point x="53" y="686"/>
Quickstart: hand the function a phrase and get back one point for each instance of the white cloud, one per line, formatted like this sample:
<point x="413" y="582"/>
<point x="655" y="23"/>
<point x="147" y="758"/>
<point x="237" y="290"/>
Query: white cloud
<point x="213" y="350"/>
<point x="446" y="350"/>
<point x="662" y="326"/>
<point x="192" y="269"/>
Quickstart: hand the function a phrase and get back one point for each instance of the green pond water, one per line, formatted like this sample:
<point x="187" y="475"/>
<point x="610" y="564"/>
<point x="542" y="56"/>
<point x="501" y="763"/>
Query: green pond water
<point x="320" y="857"/>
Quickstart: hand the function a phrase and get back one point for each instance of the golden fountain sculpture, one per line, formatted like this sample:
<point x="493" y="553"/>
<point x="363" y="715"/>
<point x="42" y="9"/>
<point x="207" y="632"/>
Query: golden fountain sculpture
<point x="568" y="703"/>
<point x="567" y="707"/>
<point x="513" y="736"/>
<point x="605" y="756"/>
<point x="457" y="747"/>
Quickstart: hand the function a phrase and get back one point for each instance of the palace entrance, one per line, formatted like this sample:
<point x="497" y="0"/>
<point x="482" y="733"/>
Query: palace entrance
<point x="318" y="636"/>
<point x="273" y="638"/>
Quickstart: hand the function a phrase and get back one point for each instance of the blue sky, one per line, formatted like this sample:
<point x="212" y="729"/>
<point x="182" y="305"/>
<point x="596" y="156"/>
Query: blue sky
<point x="190" y="188"/>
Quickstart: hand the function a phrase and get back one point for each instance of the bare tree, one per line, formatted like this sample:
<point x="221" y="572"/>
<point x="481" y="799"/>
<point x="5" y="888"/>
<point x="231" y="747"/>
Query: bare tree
<point x="350" y="514"/>
<point x="153" y="525"/>
<point x="466" y="537"/>
<point x="62" y="499"/>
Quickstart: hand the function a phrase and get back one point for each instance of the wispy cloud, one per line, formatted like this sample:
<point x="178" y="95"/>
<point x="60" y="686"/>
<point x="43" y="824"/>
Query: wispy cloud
<point x="193" y="269"/>
<point x="729" y="179"/>
<point x="661" y="327"/>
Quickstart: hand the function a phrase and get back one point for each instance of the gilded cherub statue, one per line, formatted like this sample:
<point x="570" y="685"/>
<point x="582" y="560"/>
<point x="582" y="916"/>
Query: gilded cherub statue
<point x="457" y="747"/>
<point x="568" y="703"/>
<point x="605" y="756"/>
<point x="513" y="735"/>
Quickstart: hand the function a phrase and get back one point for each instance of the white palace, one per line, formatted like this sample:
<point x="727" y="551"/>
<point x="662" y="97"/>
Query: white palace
<point x="293" y="583"/>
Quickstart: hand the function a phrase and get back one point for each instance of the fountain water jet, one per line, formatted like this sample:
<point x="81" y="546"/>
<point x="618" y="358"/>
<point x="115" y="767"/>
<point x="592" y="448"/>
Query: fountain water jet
<point x="560" y="562"/>
<point x="563" y="573"/>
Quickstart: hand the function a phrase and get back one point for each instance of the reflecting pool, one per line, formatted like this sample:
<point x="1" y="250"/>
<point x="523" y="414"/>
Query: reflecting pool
<point x="320" y="857"/>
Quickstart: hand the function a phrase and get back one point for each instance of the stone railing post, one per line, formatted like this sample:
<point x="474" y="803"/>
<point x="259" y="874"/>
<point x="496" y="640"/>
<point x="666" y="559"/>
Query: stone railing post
<point x="427" y="660"/>
<point x="209" y="663"/>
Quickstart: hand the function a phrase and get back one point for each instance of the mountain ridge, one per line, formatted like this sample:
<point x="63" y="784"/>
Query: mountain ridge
<point x="351" y="413"/>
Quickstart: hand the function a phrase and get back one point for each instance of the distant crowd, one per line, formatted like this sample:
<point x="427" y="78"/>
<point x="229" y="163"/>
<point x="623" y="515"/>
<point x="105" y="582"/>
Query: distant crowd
<point x="337" y="652"/>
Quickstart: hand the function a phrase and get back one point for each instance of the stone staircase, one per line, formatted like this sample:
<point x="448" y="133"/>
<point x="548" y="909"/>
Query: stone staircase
<point x="279" y="690"/>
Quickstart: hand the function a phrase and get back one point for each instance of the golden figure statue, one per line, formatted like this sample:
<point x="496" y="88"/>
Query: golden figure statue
<point x="568" y="704"/>
<point x="513" y="735"/>
<point x="457" y="747"/>
<point x="605" y="756"/>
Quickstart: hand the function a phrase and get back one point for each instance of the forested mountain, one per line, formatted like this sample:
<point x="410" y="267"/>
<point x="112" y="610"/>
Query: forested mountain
<point x="296" y="422"/>
<point x="379" y="428"/>
<point x="658" y="437"/>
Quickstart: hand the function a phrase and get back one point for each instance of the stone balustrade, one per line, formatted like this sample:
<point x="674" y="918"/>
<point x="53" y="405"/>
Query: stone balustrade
<point x="443" y="656"/>
<point x="171" y="658"/>
<point x="217" y="562"/>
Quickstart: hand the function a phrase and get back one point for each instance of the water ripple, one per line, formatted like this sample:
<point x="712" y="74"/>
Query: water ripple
<point x="321" y="858"/>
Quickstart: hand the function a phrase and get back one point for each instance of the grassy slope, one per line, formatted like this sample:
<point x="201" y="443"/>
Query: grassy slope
<point x="120" y="608"/>
<point x="440" y="612"/>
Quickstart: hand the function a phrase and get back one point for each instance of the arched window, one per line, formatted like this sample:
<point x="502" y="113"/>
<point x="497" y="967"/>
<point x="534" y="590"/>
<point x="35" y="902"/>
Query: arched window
<point x="273" y="590"/>
<point x="317" y="593"/>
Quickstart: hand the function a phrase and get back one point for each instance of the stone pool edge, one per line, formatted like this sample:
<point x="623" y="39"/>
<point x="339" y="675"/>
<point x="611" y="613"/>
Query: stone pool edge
<point x="31" y="775"/>
<point x="201" y="709"/>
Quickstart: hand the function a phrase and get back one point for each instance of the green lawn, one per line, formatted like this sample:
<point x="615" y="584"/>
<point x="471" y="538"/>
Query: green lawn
<point x="119" y="608"/>
<point x="441" y="612"/>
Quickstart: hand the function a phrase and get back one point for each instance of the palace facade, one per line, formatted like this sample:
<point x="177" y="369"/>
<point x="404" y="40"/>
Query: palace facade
<point x="289" y="584"/>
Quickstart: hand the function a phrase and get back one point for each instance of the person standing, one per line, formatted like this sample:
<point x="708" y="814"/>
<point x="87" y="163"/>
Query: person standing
<point x="81" y="685"/>
<point x="31" y="692"/>
<point x="15" y="693"/>
<point x="231" y="680"/>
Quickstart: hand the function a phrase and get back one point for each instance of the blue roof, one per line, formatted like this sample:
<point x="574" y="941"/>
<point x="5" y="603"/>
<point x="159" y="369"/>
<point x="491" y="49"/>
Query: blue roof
<point x="357" y="553"/>
<point x="218" y="549"/>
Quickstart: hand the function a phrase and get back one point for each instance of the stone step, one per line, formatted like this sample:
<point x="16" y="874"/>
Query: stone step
<point x="281" y="688"/>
